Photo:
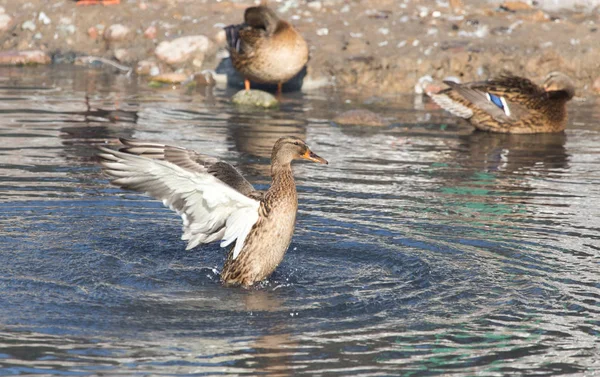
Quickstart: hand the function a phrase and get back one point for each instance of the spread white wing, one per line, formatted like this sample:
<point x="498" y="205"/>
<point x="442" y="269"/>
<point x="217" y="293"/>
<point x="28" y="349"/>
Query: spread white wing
<point x="211" y="210"/>
<point x="193" y="161"/>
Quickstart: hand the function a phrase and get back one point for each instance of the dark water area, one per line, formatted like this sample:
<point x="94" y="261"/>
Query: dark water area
<point x="422" y="248"/>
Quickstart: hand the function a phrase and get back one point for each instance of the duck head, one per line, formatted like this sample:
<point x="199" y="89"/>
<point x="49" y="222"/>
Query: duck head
<point x="290" y="148"/>
<point x="261" y="17"/>
<point x="559" y="82"/>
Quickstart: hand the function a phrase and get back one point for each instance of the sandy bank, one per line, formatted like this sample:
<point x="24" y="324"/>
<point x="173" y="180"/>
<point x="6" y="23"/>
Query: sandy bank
<point x="382" y="46"/>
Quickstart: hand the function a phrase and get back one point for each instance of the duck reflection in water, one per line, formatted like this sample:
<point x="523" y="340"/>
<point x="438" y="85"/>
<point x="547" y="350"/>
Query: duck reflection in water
<point x="273" y="352"/>
<point x="102" y="115"/>
<point x="255" y="136"/>
<point x="502" y="176"/>
<point x="515" y="153"/>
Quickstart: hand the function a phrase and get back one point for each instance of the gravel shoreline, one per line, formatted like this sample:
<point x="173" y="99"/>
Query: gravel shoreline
<point x="372" y="47"/>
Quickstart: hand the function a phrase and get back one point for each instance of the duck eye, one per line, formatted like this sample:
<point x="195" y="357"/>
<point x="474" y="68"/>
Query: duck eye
<point x="297" y="143"/>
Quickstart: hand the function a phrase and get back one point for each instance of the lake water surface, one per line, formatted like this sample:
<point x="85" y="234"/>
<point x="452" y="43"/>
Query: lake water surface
<point x="421" y="249"/>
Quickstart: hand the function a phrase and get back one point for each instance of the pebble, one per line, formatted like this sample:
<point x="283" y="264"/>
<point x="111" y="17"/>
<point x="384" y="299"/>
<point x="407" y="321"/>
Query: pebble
<point x="92" y="32"/>
<point x="322" y="31"/>
<point x="516" y="5"/>
<point x="28" y="25"/>
<point x="254" y="98"/>
<point x="67" y="29"/>
<point x="5" y="21"/>
<point x="150" y="32"/>
<point x="122" y="55"/>
<point x="482" y="31"/>
<point x="116" y="32"/>
<point x="24" y="57"/>
<point x="457" y="6"/>
<point x="147" y="67"/>
<point x="182" y="49"/>
<point x="154" y="71"/>
<point x="596" y="85"/>
<point x="315" y="5"/>
<point x="170" y="78"/>
<point x="43" y="18"/>
<point x="539" y="16"/>
<point x="361" y="117"/>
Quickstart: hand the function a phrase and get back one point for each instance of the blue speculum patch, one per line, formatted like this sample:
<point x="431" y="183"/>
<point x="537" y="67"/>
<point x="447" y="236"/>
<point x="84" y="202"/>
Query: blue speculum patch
<point x="496" y="100"/>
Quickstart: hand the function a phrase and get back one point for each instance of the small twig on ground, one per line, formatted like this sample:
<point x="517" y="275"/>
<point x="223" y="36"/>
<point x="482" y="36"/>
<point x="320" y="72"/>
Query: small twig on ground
<point x="112" y="63"/>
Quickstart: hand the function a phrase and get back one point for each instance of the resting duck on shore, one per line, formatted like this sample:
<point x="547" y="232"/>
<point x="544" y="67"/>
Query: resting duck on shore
<point x="265" y="48"/>
<point x="510" y="104"/>
<point x="216" y="202"/>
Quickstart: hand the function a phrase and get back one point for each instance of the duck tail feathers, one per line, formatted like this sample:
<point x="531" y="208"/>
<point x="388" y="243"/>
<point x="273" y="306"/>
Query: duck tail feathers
<point x="232" y="32"/>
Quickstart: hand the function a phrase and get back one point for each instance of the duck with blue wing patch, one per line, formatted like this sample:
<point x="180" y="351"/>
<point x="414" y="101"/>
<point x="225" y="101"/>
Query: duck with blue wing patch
<point x="216" y="202"/>
<point x="510" y="104"/>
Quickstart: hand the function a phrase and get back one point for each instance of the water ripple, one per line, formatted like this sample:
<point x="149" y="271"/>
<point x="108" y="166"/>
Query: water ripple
<point x="420" y="250"/>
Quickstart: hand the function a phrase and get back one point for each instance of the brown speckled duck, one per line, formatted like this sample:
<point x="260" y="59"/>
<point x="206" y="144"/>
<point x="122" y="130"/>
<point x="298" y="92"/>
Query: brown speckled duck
<point x="510" y="104"/>
<point x="265" y="48"/>
<point x="216" y="202"/>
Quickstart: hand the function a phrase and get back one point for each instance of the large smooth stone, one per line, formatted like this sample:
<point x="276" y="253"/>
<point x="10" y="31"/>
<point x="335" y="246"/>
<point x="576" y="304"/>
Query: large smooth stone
<point x="183" y="49"/>
<point x="254" y="98"/>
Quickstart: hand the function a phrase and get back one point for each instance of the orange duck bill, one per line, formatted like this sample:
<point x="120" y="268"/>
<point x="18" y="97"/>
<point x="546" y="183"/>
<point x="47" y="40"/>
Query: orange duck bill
<point x="311" y="156"/>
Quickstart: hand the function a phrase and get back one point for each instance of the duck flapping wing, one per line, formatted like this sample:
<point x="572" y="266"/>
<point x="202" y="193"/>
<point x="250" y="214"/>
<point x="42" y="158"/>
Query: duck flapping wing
<point x="212" y="208"/>
<point x="195" y="162"/>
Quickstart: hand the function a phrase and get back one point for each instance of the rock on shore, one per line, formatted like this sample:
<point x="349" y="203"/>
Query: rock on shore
<point x="183" y="49"/>
<point x="254" y="98"/>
